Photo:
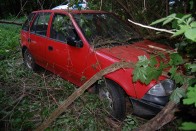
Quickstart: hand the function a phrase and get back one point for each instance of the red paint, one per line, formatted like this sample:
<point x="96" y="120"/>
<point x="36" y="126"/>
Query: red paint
<point x="73" y="63"/>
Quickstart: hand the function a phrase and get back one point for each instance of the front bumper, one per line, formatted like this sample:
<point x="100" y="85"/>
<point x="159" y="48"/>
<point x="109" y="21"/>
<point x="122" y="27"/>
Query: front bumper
<point x="148" y="106"/>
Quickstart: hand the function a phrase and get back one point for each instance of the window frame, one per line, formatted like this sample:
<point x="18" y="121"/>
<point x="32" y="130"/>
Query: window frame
<point x="35" y="22"/>
<point x="27" y="24"/>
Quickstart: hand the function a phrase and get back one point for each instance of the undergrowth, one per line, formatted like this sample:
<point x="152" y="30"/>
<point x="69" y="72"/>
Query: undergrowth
<point x="27" y="98"/>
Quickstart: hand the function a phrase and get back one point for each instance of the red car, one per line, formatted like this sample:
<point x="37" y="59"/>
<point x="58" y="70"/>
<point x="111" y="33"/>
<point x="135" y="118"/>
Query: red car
<point x="77" y="44"/>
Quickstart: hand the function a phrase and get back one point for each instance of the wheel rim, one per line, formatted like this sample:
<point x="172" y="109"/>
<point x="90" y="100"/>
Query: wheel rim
<point x="105" y="96"/>
<point x="28" y="60"/>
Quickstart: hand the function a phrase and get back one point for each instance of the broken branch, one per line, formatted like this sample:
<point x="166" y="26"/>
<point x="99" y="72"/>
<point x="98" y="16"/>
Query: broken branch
<point x="80" y="91"/>
<point x="10" y="22"/>
<point x="165" y="116"/>
<point x="150" y="27"/>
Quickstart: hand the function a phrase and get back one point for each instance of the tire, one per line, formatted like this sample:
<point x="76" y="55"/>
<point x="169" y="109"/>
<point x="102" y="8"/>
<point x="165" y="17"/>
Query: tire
<point x="29" y="61"/>
<point x="114" y="99"/>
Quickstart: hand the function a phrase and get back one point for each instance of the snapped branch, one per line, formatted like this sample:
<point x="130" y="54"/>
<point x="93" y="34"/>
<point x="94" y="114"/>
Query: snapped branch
<point x="150" y="27"/>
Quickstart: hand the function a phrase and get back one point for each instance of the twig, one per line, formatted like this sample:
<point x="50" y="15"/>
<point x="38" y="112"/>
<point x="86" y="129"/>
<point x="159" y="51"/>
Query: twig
<point x="150" y="27"/>
<point x="17" y="101"/>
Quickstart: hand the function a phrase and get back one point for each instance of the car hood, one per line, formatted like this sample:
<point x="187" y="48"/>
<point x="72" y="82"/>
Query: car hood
<point x="132" y="51"/>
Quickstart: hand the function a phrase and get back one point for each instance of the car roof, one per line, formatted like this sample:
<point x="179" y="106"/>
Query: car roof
<point x="71" y="11"/>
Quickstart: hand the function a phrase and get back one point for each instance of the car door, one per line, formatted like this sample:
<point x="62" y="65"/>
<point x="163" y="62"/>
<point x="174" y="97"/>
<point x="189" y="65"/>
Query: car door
<point x="38" y="37"/>
<point x="57" y="53"/>
<point x="63" y="59"/>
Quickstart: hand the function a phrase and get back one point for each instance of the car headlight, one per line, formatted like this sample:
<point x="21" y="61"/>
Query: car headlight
<point x="163" y="88"/>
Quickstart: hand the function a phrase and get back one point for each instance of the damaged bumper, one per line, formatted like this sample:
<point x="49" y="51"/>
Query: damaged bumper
<point x="147" y="109"/>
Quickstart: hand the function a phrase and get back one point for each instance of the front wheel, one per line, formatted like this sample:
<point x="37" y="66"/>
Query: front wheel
<point x="29" y="61"/>
<point x="114" y="99"/>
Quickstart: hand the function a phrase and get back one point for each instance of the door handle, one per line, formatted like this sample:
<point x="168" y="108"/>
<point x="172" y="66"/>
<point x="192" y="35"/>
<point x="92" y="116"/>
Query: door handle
<point x="29" y="39"/>
<point x="50" y="48"/>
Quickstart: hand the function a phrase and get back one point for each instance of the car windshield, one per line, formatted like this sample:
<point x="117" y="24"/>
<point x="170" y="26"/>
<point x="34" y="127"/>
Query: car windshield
<point x="105" y="29"/>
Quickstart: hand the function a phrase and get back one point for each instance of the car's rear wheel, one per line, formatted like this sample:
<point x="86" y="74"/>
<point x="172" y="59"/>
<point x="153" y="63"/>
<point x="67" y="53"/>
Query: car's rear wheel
<point x="114" y="99"/>
<point x="29" y="61"/>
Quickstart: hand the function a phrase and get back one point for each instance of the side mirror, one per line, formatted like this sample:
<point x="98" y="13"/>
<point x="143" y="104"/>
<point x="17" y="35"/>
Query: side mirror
<point x="72" y="42"/>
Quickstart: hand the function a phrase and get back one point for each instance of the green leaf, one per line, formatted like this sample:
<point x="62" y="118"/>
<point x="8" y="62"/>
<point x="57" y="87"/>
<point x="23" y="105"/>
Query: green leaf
<point x="190" y="99"/>
<point x="146" y="70"/>
<point x="158" y="21"/>
<point x="191" y="34"/>
<point x="189" y="20"/>
<point x="177" y="94"/>
<point x="179" y="32"/>
<point x="192" y="67"/>
<point x="182" y="30"/>
<point x="173" y="71"/>
<point x="143" y="61"/>
<point x="175" y="59"/>
<point x="188" y="126"/>
<point x="171" y="16"/>
<point x="139" y="74"/>
<point x="178" y="78"/>
<point x="193" y="24"/>
<point x="176" y="23"/>
<point x="153" y="61"/>
<point x="168" y="20"/>
<point x="185" y="17"/>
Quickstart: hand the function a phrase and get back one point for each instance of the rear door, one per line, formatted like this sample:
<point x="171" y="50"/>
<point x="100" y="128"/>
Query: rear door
<point x="25" y="30"/>
<point x="38" y="37"/>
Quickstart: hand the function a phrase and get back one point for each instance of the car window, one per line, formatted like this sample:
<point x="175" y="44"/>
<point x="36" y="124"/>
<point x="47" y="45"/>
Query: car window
<point x="27" y="23"/>
<point x="104" y="29"/>
<point x="40" y="24"/>
<point x="62" y="27"/>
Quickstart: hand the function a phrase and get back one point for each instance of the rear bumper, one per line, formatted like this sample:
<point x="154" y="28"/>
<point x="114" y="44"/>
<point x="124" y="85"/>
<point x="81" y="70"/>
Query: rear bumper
<point x="147" y="109"/>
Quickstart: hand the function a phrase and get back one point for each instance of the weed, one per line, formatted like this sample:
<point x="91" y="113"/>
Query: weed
<point x="130" y="123"/>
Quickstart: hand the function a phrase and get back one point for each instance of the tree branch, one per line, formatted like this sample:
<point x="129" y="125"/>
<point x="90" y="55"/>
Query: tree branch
<point x="165" y="116"/>
<point x="80" y="91"/>
<point x="150" y="27"/>
<point x="10" y="22"/>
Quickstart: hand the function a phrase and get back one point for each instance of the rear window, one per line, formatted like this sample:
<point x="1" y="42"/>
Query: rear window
<point x="27" y="23"/>
<point x="40" y="24"/>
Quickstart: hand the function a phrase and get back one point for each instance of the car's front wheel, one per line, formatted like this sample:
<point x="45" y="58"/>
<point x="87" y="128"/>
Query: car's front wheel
<point x="29" y="61"/>
<point x="113" y="97"/>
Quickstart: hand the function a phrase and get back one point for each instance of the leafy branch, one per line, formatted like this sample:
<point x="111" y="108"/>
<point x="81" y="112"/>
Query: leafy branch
<point x="184" y="25"/>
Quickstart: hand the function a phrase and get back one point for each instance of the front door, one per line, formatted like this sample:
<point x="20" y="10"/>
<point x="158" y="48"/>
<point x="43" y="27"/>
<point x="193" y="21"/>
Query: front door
<point x="63" y="59"/>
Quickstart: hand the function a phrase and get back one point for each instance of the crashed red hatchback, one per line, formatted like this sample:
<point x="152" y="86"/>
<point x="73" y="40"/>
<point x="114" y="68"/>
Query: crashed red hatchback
<point x="77" y="44"/>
